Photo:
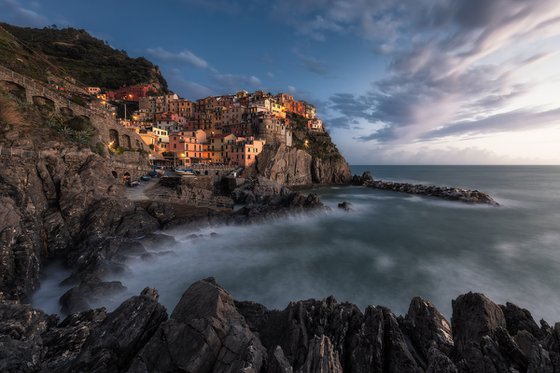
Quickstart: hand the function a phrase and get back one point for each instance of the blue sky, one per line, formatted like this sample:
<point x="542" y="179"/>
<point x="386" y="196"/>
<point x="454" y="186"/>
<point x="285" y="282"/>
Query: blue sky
<point x="408" y="82"/>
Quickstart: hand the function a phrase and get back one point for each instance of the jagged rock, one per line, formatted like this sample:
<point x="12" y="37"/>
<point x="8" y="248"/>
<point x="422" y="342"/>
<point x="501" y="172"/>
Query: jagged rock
<point x="539" y="361"/>
<point x="64" y="342"/>
<point x="364" y="179"/>
<point x="518" y="319"/>
<point x="474" y="316"/>
<point x="20" y="337"/>
<point x="427" y="327"/>
<point x="277" y="362"/>
<point x="208" y="331"/>
<point x="321" y="358"/>
<point x="398" y="352"/>
<point x="439" y="363"/>
<point x="111" y="346"/>
<point x="366" y="344"/>
<point x="204" y="333"/>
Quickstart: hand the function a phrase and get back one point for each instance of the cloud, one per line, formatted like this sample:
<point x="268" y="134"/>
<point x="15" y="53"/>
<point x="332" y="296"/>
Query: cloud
<point x="455" y="68"/>
<point x="17" y="13"/>
<point x="187" y="88"/>
<point x="312" y="64"/>
<point x="185" y="56"/>
<point x="234" y="81"/>
<point x="317" y="28"/>
<point x="503" y="122"/>
<point x="317" y="19"/>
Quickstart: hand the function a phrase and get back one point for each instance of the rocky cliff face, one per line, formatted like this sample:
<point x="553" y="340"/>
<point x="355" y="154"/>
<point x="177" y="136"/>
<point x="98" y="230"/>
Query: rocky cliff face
<point x="293" y="166"/>
<point x="208" y="331"/>
<point x="47" y="190"/>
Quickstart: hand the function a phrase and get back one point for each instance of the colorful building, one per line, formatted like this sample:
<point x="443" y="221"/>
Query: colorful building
<point x="131" y="93"/>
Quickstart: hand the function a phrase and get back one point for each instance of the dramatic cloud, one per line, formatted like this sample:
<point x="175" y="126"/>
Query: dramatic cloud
<point x="185" y="56"/>
<point x="503" y="122"/>
<point x="455" y="67"/>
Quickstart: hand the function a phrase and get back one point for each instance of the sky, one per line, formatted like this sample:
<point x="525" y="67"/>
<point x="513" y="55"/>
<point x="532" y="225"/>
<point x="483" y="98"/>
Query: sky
<point x="396" y="82"/>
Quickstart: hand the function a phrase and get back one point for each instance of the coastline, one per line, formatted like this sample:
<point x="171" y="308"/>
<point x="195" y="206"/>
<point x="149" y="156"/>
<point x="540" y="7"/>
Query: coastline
<point x="209" y="329"/>
<point x="263" y="325"/>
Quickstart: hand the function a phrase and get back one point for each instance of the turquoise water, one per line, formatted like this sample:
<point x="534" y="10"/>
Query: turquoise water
<point x="388" y="249"/>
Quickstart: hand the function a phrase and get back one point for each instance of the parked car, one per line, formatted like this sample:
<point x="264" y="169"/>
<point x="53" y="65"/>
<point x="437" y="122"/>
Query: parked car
<point x="145" y="178"/>
<point x="153" y="174"/>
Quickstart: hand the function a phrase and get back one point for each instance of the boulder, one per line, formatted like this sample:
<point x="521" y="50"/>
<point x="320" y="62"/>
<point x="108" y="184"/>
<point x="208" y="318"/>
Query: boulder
<point x="112" y="345"/>
<point x="474" y="316"/>
<point x="204" y="333"/>
<point x="427" y="328"/>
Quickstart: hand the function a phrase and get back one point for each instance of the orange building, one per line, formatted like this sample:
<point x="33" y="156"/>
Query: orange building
<point x="244" y="152"/>
<point x="131" y="93"/>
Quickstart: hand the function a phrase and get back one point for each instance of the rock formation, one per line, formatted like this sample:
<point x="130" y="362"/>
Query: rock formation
<point x="315" y="161"/>
<point x="447" y="193"/>
<point x="208" y="331"/>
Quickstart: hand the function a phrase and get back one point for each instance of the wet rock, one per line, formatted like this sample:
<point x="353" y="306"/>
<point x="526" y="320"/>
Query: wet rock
<point x="447" y="193"/>
<point x="364" y="179"/>
<point x="158" y="239"/>
<point x="346" y="206"/>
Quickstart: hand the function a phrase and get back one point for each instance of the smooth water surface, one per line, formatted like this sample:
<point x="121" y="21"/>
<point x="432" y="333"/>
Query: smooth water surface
<point x="388" y="249"/>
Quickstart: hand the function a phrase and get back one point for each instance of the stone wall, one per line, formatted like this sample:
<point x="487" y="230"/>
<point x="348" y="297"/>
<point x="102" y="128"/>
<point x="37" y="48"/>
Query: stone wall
<point x="107" y="127"/>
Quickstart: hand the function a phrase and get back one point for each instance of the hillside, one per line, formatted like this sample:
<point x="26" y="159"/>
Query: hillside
<point x="41" y="53"/>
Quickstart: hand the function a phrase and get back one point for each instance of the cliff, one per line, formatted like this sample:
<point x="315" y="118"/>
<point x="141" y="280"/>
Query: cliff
<point x="209" y="331"/>
<point x="50" y="180"/>
<point x="314" y="159"/>
<point x="69" y="52"/>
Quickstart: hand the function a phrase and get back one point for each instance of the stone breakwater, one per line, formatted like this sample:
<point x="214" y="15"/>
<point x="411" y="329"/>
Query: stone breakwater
<point x="447" y="193"/>
<point x="209" y="331"/>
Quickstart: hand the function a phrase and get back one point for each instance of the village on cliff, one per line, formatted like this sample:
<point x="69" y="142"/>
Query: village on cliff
<point x="219" y="130"/>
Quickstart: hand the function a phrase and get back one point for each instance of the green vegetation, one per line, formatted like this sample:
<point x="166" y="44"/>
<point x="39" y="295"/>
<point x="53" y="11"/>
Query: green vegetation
<point x="42" y="53"/>
<point x="318" y="144"/>
<point x="99" y="148"/>
<point x="76" y="130"/>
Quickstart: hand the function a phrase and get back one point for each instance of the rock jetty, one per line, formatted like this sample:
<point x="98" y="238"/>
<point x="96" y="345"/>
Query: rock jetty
<point x="209" y="331"/>
<point x="442" y="192"/>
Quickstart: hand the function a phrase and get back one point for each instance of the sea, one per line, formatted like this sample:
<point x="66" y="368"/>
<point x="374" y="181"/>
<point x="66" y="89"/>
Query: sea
<point x="389" y="248"/>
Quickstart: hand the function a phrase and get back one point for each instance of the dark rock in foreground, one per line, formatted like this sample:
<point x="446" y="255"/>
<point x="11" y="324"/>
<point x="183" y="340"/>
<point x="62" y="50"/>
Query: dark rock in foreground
<point x="210" y="332"/>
